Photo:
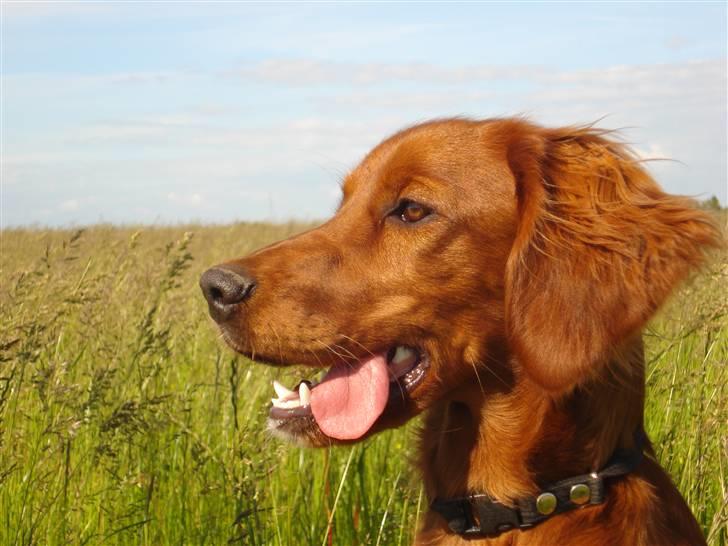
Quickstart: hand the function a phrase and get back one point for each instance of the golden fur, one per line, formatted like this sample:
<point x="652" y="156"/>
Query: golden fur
<point x="546" y="252"/>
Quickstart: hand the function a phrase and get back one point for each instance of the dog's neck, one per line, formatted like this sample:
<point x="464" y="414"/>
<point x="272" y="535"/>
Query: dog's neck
<point x="505" y="441"/>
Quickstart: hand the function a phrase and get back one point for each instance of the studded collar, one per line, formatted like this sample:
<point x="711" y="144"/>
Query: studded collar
<point x="480" y="515"/>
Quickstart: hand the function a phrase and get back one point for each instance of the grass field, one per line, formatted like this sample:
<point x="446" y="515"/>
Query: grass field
<point x="123" y="419"/>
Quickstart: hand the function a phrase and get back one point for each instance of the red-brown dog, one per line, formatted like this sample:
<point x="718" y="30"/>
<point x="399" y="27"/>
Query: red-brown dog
<point x="495" y="274"/>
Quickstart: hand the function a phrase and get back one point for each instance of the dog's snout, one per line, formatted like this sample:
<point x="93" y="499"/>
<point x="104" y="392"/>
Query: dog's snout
<point x="224" y="287"/>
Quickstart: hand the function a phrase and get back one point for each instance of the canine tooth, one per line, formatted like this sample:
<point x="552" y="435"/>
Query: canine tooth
<point x="282" y="391"/>
<point x="304" y="394"/>
<point x="402" y="354"/>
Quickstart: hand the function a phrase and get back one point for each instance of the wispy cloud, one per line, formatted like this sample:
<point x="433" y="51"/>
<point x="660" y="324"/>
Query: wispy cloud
<point x="194" y="199"/>
<point x="664" y="79"/>
<point x="318" y="72"/>
<point x="69" y="205"/>
<point x="657" y="80"/>
<point x="45" y="82"/>
<point x="149" y="127"/>
<point x="33" y="9"/>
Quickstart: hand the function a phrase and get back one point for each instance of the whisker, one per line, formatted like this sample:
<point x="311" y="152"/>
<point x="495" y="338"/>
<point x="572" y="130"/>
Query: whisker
<point x="477" y="375"/>
<point x="316" y="356"/>
<point x="490" y="370"/>
<point x="357" y="343"/>
<point x="329" y="348"/>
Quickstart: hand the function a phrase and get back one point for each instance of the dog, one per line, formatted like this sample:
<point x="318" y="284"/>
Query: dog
<point x="496" y="275"/>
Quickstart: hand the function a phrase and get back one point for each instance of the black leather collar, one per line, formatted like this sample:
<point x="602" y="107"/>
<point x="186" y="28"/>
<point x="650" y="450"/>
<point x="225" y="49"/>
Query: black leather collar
<point x="479" y="515"/>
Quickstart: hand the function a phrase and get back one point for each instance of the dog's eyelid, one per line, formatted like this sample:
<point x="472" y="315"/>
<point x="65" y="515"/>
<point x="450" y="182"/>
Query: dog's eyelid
<point x="402" y="202"/>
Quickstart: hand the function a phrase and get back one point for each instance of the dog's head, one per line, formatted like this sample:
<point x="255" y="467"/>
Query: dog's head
<point x="458" y="246"/>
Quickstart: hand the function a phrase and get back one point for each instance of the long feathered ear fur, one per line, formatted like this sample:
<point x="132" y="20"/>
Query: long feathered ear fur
<point x="598" y="248"/>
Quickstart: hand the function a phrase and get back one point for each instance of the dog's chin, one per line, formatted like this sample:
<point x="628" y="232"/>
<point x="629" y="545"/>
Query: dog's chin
<point x="301" y="431"/>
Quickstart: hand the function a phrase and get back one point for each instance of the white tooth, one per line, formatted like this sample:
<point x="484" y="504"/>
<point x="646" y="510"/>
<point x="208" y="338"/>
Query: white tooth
<point x="286" y="404"/>
<point x="304" y="394"/>
<point x="402" y="354"/>
<point x="281" y="391"/>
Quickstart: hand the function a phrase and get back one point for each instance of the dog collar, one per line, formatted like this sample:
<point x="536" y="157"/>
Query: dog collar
<point x="480" y="515"/>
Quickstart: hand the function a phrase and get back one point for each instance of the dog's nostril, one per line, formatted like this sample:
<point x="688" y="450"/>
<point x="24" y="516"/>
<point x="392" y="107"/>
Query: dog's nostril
<point x="216" y="294"/>
<point x="224" y="287"/>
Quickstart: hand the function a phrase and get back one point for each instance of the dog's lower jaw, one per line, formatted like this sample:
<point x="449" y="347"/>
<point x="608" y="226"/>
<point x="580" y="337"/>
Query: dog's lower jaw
<point x="301" y="438"/>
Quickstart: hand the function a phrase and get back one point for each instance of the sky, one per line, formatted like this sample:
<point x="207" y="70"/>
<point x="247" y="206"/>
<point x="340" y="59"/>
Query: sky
<point x="172" y="112"/>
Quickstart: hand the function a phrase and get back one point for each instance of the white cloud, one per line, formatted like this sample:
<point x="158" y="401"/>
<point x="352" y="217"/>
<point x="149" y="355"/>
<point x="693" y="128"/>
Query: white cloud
<point x="317" y="72"/>
<point x="30" y="8"/>
<point x="407" y="100"/>
<point x="651" y="151"/>
<point x="69" y="205"/>
<point x="47" y="86"/>
<point x="162" y="76"/>
<point x="257" y="195"/>
<point x="156" y="127"/>
<point x="669" y="79"/>
<point x="190" y="199"/>
<point x="702" y="80"/>
<point x="677" y="42"/>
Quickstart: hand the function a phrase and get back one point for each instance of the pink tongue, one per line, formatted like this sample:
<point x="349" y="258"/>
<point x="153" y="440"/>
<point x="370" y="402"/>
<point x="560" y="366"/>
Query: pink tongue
<point x="350" y="398"/>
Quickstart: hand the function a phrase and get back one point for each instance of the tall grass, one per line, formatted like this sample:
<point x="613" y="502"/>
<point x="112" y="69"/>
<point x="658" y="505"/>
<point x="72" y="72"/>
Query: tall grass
<point x="123" y="420"/>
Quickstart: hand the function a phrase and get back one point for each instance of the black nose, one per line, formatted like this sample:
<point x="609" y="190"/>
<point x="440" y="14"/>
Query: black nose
<point x="224" y="287"/>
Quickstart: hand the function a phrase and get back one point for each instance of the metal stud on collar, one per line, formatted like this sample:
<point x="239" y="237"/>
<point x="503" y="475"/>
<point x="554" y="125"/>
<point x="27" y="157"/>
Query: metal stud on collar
<point x="580" y="493"/>
<point x="546" y="503"/>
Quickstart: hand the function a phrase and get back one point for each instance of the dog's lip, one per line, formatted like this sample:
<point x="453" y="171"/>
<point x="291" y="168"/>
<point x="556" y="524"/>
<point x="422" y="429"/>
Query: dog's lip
<point x="294" y="403"/>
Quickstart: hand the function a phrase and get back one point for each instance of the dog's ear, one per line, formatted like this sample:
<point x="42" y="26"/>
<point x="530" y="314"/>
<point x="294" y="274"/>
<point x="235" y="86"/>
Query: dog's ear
<point x="599" y="246"/>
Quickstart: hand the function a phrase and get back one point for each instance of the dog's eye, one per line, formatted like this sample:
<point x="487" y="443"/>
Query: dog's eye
<point x="411" y="212"/>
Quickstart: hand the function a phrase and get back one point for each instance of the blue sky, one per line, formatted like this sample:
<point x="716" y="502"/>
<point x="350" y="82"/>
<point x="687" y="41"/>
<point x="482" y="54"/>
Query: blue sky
<point x="215" y="112"/>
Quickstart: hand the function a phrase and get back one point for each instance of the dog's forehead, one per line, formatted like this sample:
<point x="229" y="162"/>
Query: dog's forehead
<point x="462" y="156"/>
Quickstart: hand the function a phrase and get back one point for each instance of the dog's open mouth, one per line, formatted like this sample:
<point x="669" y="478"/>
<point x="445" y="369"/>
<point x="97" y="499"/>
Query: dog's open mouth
<point x="352" y="395"/>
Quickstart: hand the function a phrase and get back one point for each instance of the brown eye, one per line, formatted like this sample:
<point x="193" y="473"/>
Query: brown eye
<point x="411" y="212"/>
